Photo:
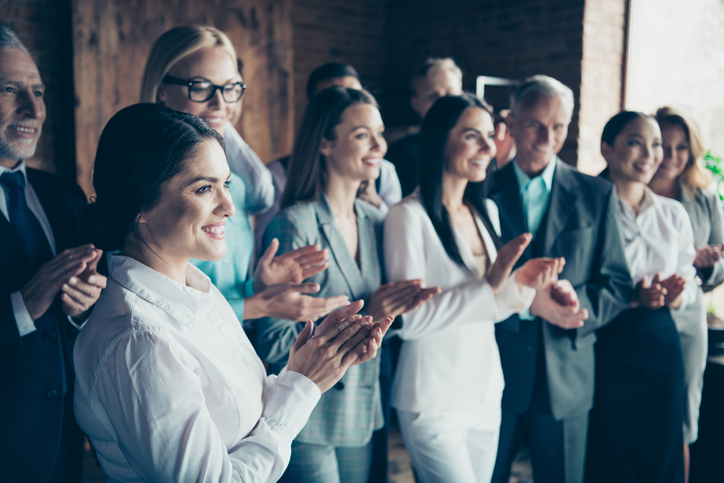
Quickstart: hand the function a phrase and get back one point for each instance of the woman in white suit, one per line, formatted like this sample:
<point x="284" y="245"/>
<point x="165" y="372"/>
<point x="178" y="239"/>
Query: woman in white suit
<point x="449" y="381"/>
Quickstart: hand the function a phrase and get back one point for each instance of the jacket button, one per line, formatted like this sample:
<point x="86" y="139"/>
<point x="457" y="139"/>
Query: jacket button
<point x="339" y="386"/>
<point x="48" y="335"/>
<point x="53" y="393"/>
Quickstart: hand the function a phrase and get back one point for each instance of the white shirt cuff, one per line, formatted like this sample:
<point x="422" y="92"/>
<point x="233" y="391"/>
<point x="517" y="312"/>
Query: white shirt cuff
<point x="22" y="316"/>
<point x="517" y="298"/>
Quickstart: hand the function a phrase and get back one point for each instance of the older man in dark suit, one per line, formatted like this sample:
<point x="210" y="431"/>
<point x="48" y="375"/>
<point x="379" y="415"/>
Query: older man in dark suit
<point x="547" y="354"/>
<point x="47" y="287"/>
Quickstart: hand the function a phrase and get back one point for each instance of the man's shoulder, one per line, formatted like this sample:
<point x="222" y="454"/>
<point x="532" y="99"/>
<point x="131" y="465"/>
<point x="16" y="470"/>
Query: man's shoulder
<point x="46" y="183"/>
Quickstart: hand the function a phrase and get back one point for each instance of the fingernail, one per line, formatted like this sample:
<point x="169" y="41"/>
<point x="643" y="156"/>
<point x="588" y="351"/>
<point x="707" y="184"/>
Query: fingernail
<point x="91" y="280"/>
<point x="73" y="280"/>
<point x="65" y="286"/>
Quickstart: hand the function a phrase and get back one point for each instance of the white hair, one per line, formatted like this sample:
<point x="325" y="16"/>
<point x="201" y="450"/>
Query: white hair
<point x="537" y="86"/>
<point x="10" y="40"/>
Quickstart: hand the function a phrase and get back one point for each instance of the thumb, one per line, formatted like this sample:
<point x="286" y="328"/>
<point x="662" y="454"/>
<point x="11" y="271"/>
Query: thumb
<point x="656" y="279"/>
<point x="303" y="337"/>
<point x="270" y="252"/>
<point x="645" y="282"/>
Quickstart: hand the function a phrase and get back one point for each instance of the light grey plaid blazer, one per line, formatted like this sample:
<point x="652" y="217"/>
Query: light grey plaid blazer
<point x="348" y="413"/>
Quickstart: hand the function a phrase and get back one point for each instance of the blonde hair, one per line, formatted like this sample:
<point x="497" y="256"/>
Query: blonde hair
<point x="694" y="176"/>
<point x="174" y="45"/>
<point x="431" y="67"/>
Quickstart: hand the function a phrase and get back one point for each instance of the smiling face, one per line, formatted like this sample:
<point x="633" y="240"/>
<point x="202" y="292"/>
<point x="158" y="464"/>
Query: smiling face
<point x="470" y="145"/>
<point x="214" y="65"/>
<point x="22" y="110"/>
<point x="188" y="222"/>
<point x="540" y="128"/>
<point x="359" y="147"/>
<point x="636" y="152"/>
<point x="436" y="85"/>
<point x="676" y="152"/>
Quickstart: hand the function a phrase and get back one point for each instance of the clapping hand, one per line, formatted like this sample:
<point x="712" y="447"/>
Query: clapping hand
<point x="650" y="294"/>
<point x="287" y="301"/>
<point x="292" y="267"/>
<point x="558" y="304"/>
<point x="396" y="298"/>
<point x="76" y="264"/>
<point x="674" y="286"/>
<point x="539" y="272"/>
<point x="506" y="260"/>
<point x="708" y="255"/>
<point x="342" y="340"/>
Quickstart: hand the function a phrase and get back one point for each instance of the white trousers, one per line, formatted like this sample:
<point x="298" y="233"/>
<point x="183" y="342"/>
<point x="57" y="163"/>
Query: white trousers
<point x="452" y="447"/>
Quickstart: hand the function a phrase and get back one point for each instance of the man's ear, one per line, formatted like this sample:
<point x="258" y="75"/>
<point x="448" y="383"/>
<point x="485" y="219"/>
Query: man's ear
<point x="325" y="147"/>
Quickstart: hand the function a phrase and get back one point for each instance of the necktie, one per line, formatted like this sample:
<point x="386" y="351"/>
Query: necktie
<point x="24" y="221"/>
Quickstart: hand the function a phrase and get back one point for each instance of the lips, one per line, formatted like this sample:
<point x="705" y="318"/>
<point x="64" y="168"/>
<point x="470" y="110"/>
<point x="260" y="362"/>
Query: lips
<point x="216" y="122"/>
<point x="372" y="161"/>
<point x="216" y="230"/>
<point x="23" y="130"/>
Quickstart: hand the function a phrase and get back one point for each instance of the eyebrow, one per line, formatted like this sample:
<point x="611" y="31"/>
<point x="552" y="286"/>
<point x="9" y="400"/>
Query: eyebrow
<point x="471" y="129"/>
<point x="210" y="179"/>
<point x="20" y="84"/>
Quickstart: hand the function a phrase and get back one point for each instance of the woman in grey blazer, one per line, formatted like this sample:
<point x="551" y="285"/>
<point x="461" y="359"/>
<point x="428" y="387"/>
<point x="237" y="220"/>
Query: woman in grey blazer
<point x="340" y="145"/>
<point x="682" y="178"/>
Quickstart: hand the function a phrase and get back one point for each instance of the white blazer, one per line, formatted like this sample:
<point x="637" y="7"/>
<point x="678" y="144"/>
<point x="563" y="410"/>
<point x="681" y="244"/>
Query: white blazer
<point x="449" y="361"/>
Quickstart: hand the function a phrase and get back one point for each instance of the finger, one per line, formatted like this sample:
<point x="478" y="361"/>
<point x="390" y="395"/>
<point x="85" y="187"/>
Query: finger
<point x="70" y="306"/>
<point x="337" y="321"/>
<point x="310" y="272"/>
<point x="83" y="300"/>
<point x="391" y="290"/>
<point x="310" y="259"/>
<point x="304" y="287"/>
<point x="302" y="252"/>
<point x="334" y="303"/>
<point x="85" y="288"/>
<point x="98" y="280"/>
<point x="358" y="330"/>
<point x="303" y="337"/>
<point x="657" y="279"/>
<point x="93" y="264"/>
<point x="270" y="252"/>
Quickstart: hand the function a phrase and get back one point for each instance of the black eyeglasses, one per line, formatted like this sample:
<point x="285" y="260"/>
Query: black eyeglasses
<point x="203" y="90"/>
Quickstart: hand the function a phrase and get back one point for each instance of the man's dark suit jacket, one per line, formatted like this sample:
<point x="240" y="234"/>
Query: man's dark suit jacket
<point x="582" y="225"/>
<point x="36" y="375"/>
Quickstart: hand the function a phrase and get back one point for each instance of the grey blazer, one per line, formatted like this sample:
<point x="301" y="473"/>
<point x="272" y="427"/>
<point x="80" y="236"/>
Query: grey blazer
<point x="707" y="221"/>
<point x="347" y="414"/>
<point x="582" y="225"/>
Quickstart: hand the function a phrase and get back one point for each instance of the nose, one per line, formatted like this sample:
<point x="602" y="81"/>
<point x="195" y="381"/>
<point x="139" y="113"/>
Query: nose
<point x="226" y="206"/>
<point x="668" y="152"/>
<point x="487" y="144"/>
<point x="546" y="135"/>
<point x="217" y="100"/>
<point x="30" y="105"/>
<point x="379" y="143"/>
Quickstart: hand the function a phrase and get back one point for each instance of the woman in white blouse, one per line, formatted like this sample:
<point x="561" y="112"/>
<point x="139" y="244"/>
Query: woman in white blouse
<point x="168" y="387"/>
<point x="449" y="381"/>
<point x="636" y="423"/>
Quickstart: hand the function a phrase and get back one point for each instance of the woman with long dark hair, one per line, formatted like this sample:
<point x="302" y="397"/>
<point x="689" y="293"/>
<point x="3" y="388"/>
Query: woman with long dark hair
<point x="449" y="381"/>
<point x="168" y="387"/>
<point x="340" y="146"/>
<point x="636" y="423"/>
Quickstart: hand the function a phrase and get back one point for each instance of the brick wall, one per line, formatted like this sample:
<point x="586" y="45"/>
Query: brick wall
<point x="44" y="26"/>
<point x="490" y="37"/>
<point x="338" y="31"/>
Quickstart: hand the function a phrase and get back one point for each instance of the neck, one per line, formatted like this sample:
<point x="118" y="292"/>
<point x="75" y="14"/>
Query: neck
<point x="630" y="191"/>
<point x="173" y="269"/>
<point x="341" y="193"/>
<point x="533" y="169"/>
<point x="669" y="188"/>
<point x="10" y="163"/>
<point x="453" y="190"/>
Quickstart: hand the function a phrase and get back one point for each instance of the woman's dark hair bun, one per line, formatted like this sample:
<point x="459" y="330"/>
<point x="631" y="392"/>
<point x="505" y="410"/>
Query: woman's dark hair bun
<point x="96" y="227"/>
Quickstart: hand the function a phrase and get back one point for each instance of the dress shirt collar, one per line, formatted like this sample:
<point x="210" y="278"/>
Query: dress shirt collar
<point x="547" y="175"/>
<point x="19" y="167"/>
<point x="627" y="210"/>
<point x="181" y="302"/>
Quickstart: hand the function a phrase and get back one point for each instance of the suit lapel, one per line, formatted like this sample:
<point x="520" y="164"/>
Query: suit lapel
<point x="506" y="194"/>
<point x="343" y="258"/>
<point x="561" y="204"/>
<point x="9" y="237"/>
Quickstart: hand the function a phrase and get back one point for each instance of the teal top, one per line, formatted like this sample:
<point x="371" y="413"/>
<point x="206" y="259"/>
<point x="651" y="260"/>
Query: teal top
<point x="535" y="193"/>
<point x="231" y="273"/>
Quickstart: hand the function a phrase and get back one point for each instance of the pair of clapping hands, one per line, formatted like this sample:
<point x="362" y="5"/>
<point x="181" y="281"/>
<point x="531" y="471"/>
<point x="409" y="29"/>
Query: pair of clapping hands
<point x="280" y="292"/>
<point x="555" y="300"/>
<point x="657" y="293"/>
<point x="73" y="273"/>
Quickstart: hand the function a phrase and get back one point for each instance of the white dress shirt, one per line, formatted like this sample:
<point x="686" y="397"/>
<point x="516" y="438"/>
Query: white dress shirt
<point x="390" y="190"/>
<point x="245" y="163"/>
<point x="20" y="311"/>
<point x="660" y="240"/>
<point x="449" y="361"/>
<point x="168" y="387"/>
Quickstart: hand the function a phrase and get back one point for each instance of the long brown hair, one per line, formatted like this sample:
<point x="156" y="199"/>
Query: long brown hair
<point x="307" y="172"/>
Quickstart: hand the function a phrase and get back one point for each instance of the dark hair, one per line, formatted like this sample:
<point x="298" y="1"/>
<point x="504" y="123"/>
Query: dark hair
<point x="617" y="123"/>
<point x="307" y="173"/>
<point x="330" y="70"/>
<point x="140" y="150"/>
<point x="434" y="134"/>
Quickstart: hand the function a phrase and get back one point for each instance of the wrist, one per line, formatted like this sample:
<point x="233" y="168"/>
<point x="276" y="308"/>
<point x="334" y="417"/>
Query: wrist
<point x="254" y="307"/>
